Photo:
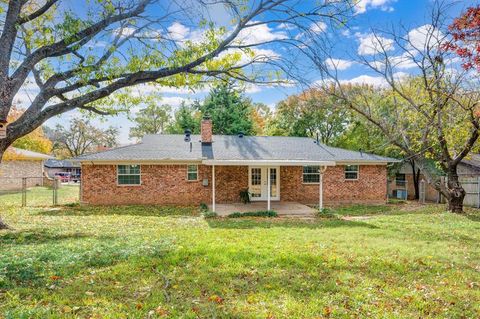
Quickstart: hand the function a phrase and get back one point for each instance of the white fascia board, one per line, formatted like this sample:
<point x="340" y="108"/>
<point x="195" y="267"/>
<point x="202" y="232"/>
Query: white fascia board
<point x="268" y="163"/>
<point x="142" y="162"/>
<point x="363" y="162"/>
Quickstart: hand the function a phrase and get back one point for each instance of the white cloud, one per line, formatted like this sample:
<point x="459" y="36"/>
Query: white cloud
<point x="366" y="79"/>
<point x="124" y="32"/>
<point x="346" y="33"/>
<point x="286" y="26"/>
<point x="425" y="35"/>
<point x="371" y="44"/>
<point x="403" y="62"/>
<point x="363" y="5"/>
<point x="27" y="93"/>
<point x="318" y="27"/>
<point x="339" y="64"/>
<point x="150" y="88"/>
<point x="175" y="101"/>
<point x="178" y="31"/>
<point x="378" y="81"/>
<point x="259" y="34"/>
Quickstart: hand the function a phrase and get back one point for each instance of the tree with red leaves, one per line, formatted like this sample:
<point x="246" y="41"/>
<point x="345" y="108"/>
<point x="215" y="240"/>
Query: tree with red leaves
<point x="465" y="31"/>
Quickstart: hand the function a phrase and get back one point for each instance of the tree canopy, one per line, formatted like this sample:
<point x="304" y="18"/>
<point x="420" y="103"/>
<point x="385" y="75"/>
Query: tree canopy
<point x="231" y="112"/>
<point x="88" y="58"/>
<point x="81" y="137"/>
<point x="152" y="119"/>
<point x="465" y="42"/>
<point x="310" y="113"/>
<point x="36" y="140"/>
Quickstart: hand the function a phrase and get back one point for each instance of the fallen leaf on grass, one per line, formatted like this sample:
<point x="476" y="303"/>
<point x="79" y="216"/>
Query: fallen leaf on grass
<point x="161" y="312"/>
<point x="216" y="299"/>
<point x="327" y="311"/>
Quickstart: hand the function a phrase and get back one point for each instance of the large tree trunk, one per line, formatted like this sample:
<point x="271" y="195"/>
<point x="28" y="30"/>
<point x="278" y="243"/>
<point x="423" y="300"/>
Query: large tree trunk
<point x="455" y="191"/>
<point x="416" y="179"/>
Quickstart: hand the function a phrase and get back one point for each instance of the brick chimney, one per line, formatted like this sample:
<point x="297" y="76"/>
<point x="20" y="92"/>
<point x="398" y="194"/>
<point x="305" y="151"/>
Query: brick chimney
<point x="101" y="148"/>
<point x="206" y="130"/>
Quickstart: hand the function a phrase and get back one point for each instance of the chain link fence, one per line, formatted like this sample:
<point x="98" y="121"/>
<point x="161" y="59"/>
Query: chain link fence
<point x="37" y="191"/>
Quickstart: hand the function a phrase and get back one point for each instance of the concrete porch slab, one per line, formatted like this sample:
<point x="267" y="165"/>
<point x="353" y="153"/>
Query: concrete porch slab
<point x="284" y="209"/>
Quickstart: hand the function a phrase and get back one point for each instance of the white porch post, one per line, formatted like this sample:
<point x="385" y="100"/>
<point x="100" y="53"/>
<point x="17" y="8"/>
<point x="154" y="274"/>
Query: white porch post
<point x="213" y="188"/>
<point x="320" y="191"/>
<point x="268" y="188"/>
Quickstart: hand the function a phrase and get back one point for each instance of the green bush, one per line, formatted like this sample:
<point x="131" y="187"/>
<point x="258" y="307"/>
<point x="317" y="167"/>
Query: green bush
<point x="261" y="213"/>
<point x="203" y="207"/>
<point x="209" y="214"/>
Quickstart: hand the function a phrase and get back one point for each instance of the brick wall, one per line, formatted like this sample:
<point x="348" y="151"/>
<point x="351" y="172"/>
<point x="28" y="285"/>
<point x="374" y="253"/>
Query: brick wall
<point x="12" y="171"/>
<point x="229" y="181"/>
<point x="371" y="186"/>
<point x="163" y="184"/>
<point x="167" y="184"/>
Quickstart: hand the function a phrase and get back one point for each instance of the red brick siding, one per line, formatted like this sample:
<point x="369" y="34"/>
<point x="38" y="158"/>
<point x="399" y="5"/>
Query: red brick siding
<point x="371" y="186"/>
<point x="206" y="130"/>
<point x="229" y="181"/>
<point x="161" y="184"/>
<point x="167" y="184"/>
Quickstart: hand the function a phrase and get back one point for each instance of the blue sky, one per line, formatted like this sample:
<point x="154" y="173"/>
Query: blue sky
<point x="410" y="14"/>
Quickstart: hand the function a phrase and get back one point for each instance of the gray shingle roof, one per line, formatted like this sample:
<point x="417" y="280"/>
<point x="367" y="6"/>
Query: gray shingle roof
<point x="163" y="147"/>
<point x="55" y="163"/>
<point x="29" y="154"/>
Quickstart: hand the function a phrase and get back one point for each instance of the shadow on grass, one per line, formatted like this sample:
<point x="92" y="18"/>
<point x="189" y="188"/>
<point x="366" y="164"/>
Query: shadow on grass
<point x="40" y="236"/>
<point x="55" y="256"/>
<point x="135" y="210"/>
<point x="248" y="223"/>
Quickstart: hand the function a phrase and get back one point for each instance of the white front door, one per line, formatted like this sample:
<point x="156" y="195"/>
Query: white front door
<point x="258" y="183"/>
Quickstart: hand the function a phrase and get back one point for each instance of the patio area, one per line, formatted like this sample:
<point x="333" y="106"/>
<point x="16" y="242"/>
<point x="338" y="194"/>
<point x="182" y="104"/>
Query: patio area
<point x="284" y="209"/>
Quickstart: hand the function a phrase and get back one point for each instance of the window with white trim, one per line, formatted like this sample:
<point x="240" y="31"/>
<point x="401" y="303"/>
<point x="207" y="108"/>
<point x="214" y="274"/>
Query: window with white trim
<point x="192" y="172"/>
<point x="128" y="174"/>
<point x="351" y="172"/>
<point x="311" y="174"/>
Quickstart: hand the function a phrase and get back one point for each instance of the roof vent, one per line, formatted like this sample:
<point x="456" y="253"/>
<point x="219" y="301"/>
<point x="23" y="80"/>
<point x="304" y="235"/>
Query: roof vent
<point x="241" y="134"/>
<point x="187" y="135"/>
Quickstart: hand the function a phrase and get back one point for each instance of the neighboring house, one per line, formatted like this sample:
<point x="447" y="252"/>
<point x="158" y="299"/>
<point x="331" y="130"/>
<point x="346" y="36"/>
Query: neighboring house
<point x="54" y="166"/>
<point x="17" y="164"/>
<point x="470" y="166"/>
<point x="206" y="168"/>
<point x="469" y="175"/>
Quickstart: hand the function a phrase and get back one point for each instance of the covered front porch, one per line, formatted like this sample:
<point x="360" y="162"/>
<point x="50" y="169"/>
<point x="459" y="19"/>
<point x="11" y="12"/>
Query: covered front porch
<point x="283" y="209"/>
<point x="262" y="180"/>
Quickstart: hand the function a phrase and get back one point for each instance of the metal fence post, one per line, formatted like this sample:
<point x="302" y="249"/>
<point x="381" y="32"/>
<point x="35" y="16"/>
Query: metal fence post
<point x="478" y="191"/>
<point x="422" y="191"/>
<point x="24" y="191"/>
<point x="55" y="191"/>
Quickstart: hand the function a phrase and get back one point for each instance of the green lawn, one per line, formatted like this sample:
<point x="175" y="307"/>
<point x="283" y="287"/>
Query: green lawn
<point x="150" y="262"/>
<point x="42" y="196"/>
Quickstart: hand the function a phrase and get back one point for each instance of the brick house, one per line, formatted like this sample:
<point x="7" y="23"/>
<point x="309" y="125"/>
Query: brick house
<point x="18" y="164"/>
<point x="206" y="168"/>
